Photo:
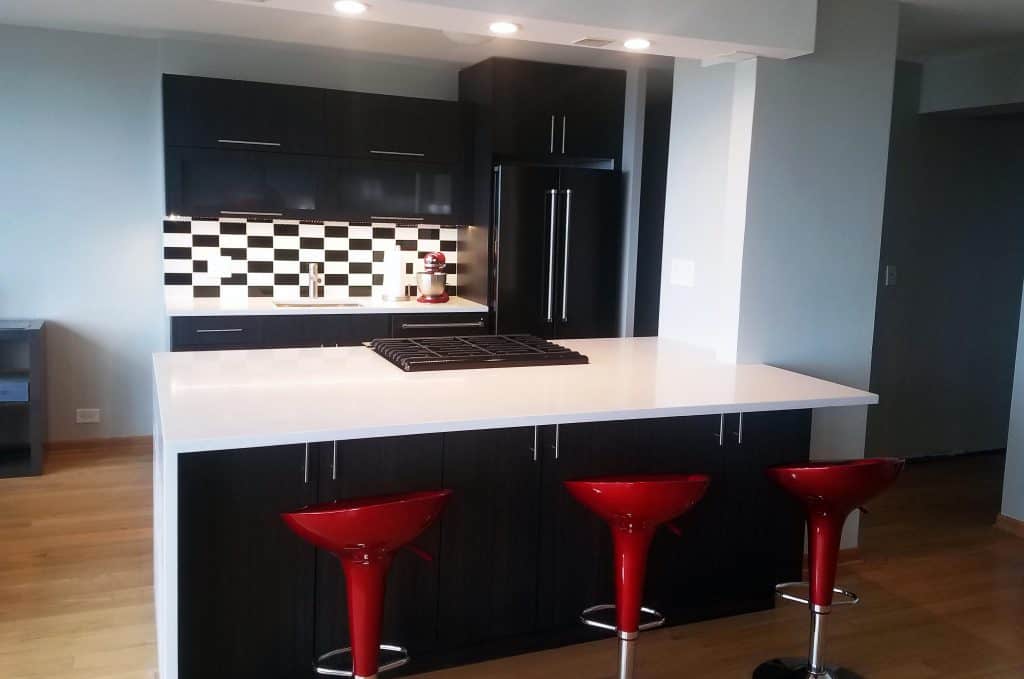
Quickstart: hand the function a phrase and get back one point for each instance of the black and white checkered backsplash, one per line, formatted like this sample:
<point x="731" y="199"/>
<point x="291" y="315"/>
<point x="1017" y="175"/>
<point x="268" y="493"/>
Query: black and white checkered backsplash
<point x="270" y="258"/>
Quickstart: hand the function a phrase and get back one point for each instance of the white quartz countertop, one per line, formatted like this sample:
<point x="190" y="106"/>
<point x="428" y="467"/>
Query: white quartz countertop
<point x="240" y="399"/>
<point x="242" y="306"/>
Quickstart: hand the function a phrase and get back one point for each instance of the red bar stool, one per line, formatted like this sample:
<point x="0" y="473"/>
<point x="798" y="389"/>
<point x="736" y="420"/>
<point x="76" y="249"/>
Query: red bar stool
<point x="365" y="534"/>
<point x="830" y="491"/>
<point x="634" y="507"/>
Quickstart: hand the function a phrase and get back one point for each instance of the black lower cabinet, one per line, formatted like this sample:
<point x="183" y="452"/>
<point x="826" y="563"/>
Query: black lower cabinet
<point x="383" y="467"/>
<point x="245" y="582"/>
<point x="517" y="558"/>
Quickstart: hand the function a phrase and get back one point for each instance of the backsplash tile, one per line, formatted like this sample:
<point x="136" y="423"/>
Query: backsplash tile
<point x="270" y="258"/>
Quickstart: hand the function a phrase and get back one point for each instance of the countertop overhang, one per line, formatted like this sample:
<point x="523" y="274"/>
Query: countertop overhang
<point x="261" y="306"/>
<point x="245" y="399"/>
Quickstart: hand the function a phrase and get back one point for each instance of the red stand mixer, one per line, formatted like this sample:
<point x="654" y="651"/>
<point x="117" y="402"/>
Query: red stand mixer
<point x="431" y="282"/>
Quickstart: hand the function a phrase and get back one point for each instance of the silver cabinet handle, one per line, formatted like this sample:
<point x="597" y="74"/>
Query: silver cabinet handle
<point x="248" y="142"/>
<point x="558" y="439"/>
<point x="440" y="326"/>
<point x="551" y="142"/>
<point x="551" y="258"/>
<point x="565" y="124"/>
<point x="739" y="431"/>
<point x="305" y="466"/>
<point x="203" y="331"/>
<point x="536" y="439"/>
<point x="565" y="257"/>
<point x="396" y="219"/>
<point x="721" y="430"/>
<point x="411" y="154"/>
<point x="334" y="463"/>
<point x="251" y="214"/>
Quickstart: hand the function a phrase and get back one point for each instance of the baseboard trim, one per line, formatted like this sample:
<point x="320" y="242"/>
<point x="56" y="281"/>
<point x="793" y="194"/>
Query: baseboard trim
<point x="954" y="455"/>
<point x="97" y="444"/>
<point x="1010" y="525"/>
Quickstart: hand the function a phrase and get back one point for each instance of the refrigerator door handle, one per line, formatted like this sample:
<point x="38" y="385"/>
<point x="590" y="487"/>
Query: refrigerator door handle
<point x="553" y="195"/>
<point x="565" y="256"/>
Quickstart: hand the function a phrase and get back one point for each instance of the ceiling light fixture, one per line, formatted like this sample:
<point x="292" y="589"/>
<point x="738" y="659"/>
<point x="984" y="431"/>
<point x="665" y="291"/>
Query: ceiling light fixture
<point x="504" y="28"/>
<point x="637" y="44"/>
<point x="350" y="7"/>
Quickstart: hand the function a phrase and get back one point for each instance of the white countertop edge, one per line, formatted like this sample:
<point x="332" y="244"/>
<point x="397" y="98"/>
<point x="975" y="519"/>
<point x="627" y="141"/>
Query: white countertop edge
<point x="265" y="307"/>
<point x="174" y="447"/>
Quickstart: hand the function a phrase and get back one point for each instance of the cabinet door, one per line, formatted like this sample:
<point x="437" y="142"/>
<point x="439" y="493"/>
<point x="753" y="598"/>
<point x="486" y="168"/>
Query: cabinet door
<point x="576" y="558"/>
<point x="324" y="330"/>
<point x="489" y="536"/>
<point x="588" y="254"/>
<point x="245" y="582"/>
<point x="592" y="114"/>
<point x="392" y="190"/>
<point x="438" y="325"/>
<point x="402" y="128"/>
<point x="380" y="467"/>
<point x="214" y="113"/>
<point x="214" y="183"/>
<point x="526" y="102"/>
<point x="198" y="333"/>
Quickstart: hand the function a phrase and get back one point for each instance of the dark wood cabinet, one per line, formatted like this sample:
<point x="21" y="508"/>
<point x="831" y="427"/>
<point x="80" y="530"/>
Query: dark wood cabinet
<point x="342" y="330"/>
<point x="489" y="551"/>
<point x="398" y="128"/>
<point x="382" y="467"/>
<point x="228" y="183"/>
<point x="234" y="114"/>
<point x="245" y="582"/>
<point x="536" y="109"/>
<point x="199" y="333"/>
<point x="389" y="189"/>
<point x="438" y="325"/>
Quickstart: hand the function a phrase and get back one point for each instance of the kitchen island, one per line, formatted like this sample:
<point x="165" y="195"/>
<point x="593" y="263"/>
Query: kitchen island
<point x="244" y="435"/>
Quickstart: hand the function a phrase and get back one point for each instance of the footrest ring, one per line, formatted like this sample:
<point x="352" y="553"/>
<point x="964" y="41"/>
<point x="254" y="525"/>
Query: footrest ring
<point x="658" y="622"/>
<point x="329" y="672"/>
<point x="780" y="591"/>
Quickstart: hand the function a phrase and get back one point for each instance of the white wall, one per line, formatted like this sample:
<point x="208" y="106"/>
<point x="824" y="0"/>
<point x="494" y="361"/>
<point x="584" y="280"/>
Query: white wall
<point x="1013" y="475"/>
<point x="81" y="185"/>
<point x="973" y="80"/>
<point x="803" y="247"/>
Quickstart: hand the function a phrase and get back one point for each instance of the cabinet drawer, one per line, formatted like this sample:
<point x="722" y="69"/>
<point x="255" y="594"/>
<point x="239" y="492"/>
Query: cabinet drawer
<point x="438" y="325"/>
<point x="215" y="332"/>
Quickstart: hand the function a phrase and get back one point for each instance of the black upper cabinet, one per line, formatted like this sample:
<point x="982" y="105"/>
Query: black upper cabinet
<point x="214" y="113"/>
<point x="215" y="182"/>
<point x="555" y="111"/>
<point x="391" y="190"/>
<point x="398" y="128"/>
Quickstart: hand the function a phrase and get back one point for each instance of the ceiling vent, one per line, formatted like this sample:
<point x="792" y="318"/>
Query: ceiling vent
<point x="593" y="42"/>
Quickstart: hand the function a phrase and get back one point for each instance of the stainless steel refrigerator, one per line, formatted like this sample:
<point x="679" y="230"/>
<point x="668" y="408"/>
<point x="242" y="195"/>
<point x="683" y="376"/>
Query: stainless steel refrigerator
<point x="556" y="256"/>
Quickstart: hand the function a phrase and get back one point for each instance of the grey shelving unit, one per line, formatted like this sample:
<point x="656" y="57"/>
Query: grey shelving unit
<point x="22" y="397"/>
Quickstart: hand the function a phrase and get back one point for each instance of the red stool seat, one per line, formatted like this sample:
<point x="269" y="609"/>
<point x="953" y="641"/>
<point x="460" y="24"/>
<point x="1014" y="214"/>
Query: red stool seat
<point x="364" y="534"/>
<point x="829" y="491"/>
<point x="634" y="507"/>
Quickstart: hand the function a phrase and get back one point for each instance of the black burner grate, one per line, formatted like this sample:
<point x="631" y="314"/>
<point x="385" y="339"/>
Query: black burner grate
<point x="481" y="351"/>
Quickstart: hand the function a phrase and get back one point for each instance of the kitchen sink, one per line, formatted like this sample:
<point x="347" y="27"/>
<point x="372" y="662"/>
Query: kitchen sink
<point x="323" y="303"/>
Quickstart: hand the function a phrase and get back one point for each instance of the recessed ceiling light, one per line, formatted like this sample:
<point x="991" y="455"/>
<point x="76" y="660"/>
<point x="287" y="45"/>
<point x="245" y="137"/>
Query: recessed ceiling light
<point x="637" y="44"/>
<point x="504" y="28"/>
<point x="350" y="7"/>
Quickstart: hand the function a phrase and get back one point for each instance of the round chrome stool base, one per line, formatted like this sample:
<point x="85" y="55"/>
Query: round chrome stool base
<point x="797" y="668"/>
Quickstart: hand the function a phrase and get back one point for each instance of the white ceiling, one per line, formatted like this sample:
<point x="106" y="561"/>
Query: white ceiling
<point x="929" y="27"/>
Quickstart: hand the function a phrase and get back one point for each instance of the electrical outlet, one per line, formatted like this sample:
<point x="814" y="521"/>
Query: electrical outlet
<point x="87" y="416"/>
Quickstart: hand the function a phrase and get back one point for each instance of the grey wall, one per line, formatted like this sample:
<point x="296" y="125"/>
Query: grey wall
<point x="1013" y="475"/>
<point x="81" y="185"/>
<point x="973" y="80"/>
<point x="945" y="334"/>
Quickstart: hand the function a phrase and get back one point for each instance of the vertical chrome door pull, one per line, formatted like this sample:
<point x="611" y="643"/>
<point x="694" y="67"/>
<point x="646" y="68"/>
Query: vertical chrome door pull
<point x="565" y="257"/>
<point x="553" y="194"/>
<point x="334" y="463"/>
<point x="536" y="439"/>
<point x="739" y="431"/>
<point x="721" y="430"/>
<point x="305" y="466"/>
<point x="551" y="141"/>
<point x="558" y="439"/>
<point x="565" y="124"/>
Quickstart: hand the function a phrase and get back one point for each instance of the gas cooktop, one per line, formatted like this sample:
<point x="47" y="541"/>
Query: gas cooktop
<point x="479" y="351"/>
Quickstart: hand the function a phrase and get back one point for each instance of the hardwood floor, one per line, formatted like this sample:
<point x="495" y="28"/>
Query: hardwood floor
<point x="942" y="589"/>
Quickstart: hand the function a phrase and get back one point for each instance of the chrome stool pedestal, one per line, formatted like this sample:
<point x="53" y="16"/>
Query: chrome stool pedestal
<point x="627" y="640"/>
<point x="325" y="671"/>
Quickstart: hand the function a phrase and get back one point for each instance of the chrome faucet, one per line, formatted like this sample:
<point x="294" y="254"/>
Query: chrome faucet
<point x="315" y="279"/>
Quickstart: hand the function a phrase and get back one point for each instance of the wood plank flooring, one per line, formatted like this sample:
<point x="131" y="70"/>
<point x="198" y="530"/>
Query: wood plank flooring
<point x="943" y="589"/>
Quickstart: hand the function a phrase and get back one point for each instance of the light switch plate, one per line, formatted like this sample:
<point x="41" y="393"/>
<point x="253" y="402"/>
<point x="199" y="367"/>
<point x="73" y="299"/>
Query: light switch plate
<point x="87" y="416"/>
